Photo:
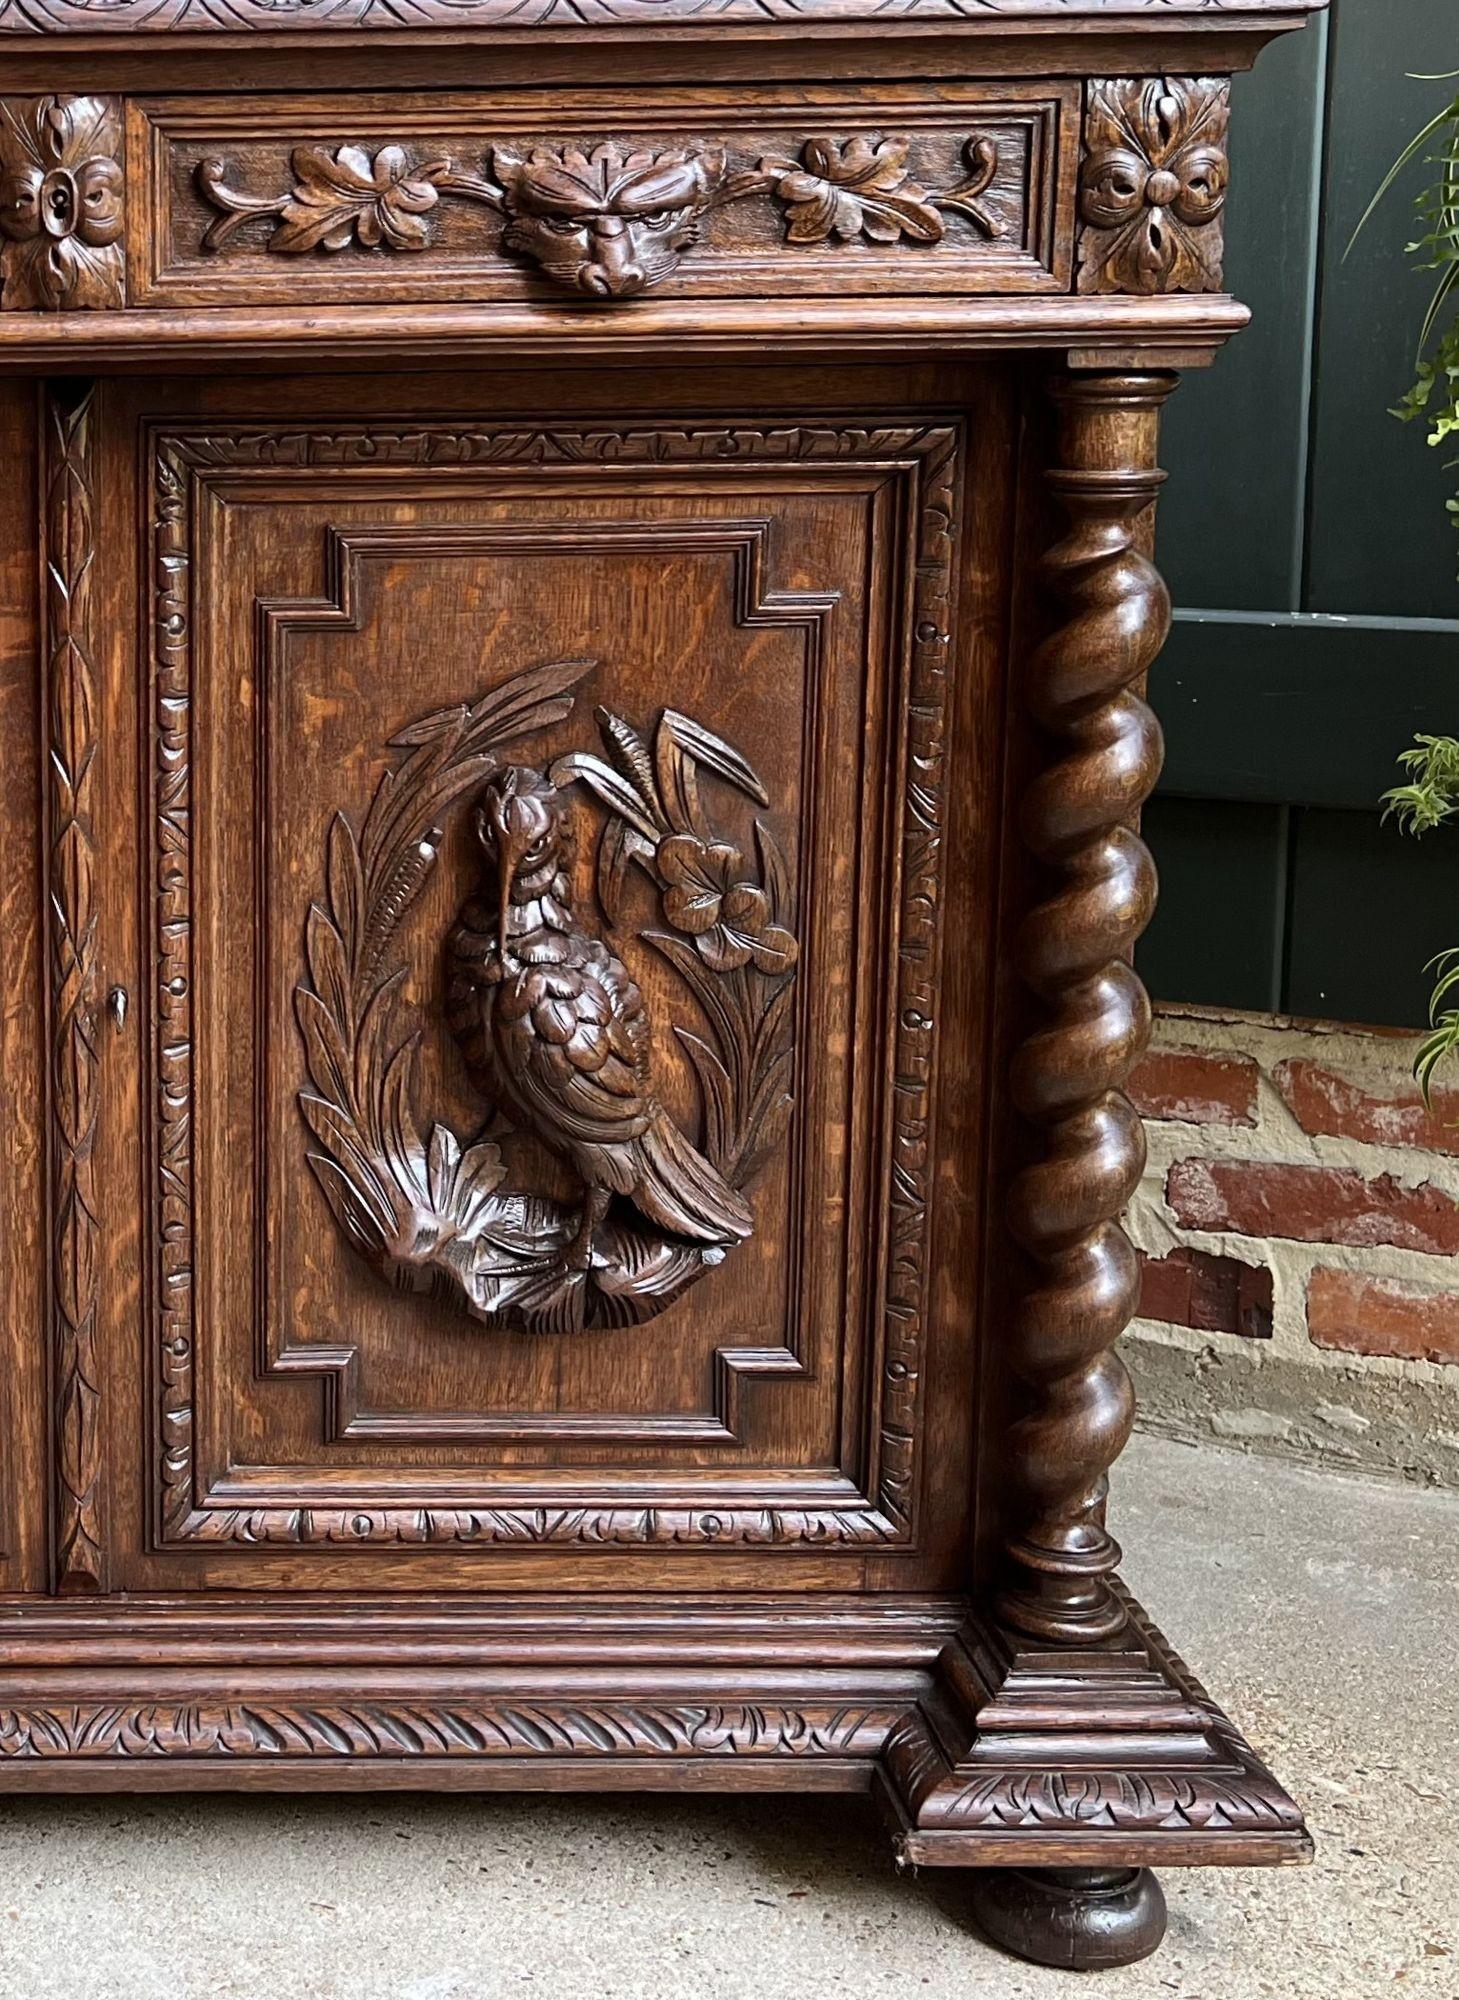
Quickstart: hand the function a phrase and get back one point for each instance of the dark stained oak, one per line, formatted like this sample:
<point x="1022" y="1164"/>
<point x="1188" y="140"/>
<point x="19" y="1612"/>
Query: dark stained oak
<point x="576" y="615"/>
<point x="1076" y="1919"/>
<point x="1073" y="952"/>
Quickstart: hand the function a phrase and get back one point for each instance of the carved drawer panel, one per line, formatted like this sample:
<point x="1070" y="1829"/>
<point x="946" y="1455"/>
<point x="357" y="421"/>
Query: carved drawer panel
<point x="596" y="197"/>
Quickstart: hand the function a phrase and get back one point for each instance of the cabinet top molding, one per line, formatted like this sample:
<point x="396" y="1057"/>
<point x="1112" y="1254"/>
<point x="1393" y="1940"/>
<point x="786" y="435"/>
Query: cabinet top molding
<point x="120" y="17"/>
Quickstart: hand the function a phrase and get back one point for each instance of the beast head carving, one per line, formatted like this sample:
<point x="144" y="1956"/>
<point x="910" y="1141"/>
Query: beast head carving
<point x="606" y="223"/>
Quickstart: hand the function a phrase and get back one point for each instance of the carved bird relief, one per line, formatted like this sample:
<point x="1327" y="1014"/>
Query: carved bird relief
<point x="556" y="1034"/>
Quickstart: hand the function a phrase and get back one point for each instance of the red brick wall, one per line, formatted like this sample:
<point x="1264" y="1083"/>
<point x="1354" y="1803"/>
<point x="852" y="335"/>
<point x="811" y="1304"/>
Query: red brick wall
<point x="1300" y="1197"/>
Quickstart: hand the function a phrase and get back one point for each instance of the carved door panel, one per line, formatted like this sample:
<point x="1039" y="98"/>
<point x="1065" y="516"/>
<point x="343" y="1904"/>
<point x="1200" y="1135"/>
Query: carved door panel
<point x="539" y="842"/>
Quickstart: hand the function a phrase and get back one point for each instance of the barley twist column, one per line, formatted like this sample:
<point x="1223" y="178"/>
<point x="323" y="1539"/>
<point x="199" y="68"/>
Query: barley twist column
<point x="1083" y="692"/>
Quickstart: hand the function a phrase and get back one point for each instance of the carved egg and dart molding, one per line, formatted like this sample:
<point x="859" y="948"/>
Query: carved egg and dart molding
<point x="555" y="1034"/>
<point x="603" y="220"/>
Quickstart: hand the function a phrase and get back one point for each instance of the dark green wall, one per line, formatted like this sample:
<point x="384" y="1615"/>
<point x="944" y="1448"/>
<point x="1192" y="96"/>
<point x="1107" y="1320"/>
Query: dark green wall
<point x="1311" y="559"/>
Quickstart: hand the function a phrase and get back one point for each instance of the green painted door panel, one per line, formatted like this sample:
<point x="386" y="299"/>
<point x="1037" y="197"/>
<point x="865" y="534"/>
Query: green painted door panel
<point x="1380" y="540"/>
<point x="1225" y="861"/>
<point x="1305" y="537"/>
<point x="1236" y="434"/>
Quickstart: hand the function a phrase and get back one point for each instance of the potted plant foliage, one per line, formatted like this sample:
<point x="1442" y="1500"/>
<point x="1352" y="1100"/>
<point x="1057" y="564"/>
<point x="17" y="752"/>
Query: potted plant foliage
<point x="1429" y="795"/>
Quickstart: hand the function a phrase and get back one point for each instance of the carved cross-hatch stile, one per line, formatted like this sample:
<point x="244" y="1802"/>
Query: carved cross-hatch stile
<point x="72" y="746"/>
<point x="606" y="220"/>
<point x="927" y="458"/>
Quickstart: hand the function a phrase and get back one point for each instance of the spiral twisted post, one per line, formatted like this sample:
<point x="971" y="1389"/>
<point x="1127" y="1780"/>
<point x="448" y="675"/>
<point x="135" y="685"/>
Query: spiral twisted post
<point x="1084" y="694"/>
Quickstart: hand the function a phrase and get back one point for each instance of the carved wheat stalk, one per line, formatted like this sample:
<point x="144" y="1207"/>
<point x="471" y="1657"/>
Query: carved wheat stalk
<point x="1074" y="952"/>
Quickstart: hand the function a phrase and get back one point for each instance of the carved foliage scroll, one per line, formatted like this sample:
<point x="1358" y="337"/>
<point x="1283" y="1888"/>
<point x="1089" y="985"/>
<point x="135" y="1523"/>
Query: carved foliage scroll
<point x="606" y="220"/>
<point x="71" y="846"/>
<point x="1152" y="189"/>
<point x="60" y="203"/>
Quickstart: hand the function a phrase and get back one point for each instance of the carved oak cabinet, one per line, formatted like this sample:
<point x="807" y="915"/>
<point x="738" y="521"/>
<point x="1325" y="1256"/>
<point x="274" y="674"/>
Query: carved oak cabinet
<point x="575" y="597"/>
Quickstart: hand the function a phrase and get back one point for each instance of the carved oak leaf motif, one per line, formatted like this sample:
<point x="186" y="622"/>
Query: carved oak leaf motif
<point x="60" y="203"/>
<point x="352" y="197"/>
<point x="341" y="199"/>
<point x="1153" y="185"/>
<point x="856" y="187"/>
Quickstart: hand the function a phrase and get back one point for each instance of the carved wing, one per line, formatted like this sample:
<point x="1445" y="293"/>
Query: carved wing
<point x="574" y="1040"/>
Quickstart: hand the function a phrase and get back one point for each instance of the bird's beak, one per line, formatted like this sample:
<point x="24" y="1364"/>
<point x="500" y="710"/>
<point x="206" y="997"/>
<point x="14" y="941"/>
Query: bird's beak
<point x="510" y="848"/>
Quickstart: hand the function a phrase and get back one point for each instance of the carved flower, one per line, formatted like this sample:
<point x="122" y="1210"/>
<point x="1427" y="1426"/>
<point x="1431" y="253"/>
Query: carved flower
<point x="61" y="203"/>
<point x="728" y="916"/>
<point x="354" y="198"/>
<point x="856" y="188"/>
<point x="1154" y="186"/>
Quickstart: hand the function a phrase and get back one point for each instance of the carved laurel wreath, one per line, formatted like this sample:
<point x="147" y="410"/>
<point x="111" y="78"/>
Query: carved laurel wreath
<point x="429" y="1213"/>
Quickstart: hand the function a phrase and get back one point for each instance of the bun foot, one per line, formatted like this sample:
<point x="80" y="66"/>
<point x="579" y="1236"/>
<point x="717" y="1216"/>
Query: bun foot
<point x="1078" y="1919"/>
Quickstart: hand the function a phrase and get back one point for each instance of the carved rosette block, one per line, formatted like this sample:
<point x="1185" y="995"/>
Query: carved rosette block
<point x="1074" y="953"/>
<point x="71" y="848"/>
<point x="60" y="204"/>
<point x="1152" y="189"/>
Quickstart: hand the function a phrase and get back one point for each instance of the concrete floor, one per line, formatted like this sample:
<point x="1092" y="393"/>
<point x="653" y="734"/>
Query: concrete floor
<point x="1323" y="1610"/>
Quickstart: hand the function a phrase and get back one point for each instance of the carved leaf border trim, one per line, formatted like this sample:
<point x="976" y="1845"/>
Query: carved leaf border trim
<point x="929" y="455"/>
<point x="1230" y="1793"/>
<point x="122" y="17"/>
<point x="1222" y="1788"/>
<point x="427" y="1730"/>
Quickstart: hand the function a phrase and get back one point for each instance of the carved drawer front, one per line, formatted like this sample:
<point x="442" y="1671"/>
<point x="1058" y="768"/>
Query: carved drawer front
<point x="542" y="908"/>
<point x="595" y="197"/>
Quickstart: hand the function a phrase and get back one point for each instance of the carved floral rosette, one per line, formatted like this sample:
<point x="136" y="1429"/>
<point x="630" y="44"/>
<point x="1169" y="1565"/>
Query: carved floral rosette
<point x="432" y="1213"/>
<point x="1152" y="192"/>
<point x="60" y="203"/>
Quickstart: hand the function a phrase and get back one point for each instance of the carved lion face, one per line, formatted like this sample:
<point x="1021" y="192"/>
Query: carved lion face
<point x="604" y="223"/>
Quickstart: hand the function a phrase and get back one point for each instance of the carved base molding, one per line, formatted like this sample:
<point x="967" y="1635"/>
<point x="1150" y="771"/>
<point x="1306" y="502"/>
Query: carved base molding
<point x="981" y="1754"/>
<point x="1099" y="1756"/>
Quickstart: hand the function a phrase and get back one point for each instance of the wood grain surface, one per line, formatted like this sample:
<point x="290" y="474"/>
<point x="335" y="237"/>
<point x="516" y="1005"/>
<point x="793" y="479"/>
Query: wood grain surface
<point x="576" y="637"/>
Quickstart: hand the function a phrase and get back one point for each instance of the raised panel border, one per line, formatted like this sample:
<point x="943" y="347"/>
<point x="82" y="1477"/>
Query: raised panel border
<point x="925" y="458"/>
<point x="756" y="603"/>
<point x="1010" y="232"/>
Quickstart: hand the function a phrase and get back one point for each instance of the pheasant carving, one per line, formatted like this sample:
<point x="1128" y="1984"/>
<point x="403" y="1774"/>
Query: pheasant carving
<point x="556" y="1034"/>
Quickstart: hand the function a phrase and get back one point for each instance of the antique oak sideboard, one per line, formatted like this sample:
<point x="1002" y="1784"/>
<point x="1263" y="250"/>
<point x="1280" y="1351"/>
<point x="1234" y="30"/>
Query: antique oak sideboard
<point x="575" y="594"/>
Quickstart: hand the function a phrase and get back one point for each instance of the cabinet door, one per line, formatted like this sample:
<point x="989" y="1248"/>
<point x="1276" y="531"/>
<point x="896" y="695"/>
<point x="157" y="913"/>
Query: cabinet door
<point x="526" y="1134"/>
